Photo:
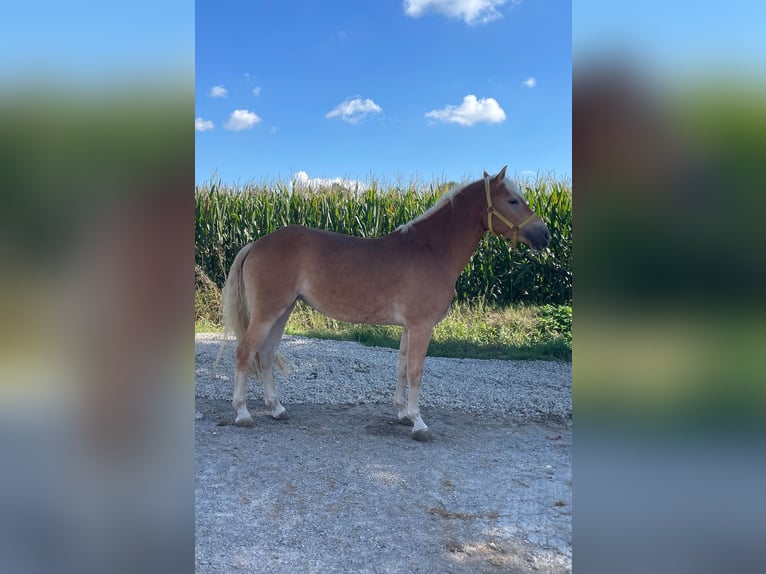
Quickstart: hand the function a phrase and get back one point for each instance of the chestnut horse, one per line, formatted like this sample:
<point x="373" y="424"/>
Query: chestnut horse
<point x="406" y="278"/>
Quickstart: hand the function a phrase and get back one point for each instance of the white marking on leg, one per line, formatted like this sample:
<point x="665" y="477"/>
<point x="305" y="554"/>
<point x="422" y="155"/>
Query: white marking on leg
<point x="418" y="424"/>
<point x="400" y="400"/>
<point x="413" y="411"/>
<point x="238" y="400"/>
<point x="278" y="411"/>
<point x="416" y="352"/>
<point x="242" y="414"/>
<point x="270" y="390"/>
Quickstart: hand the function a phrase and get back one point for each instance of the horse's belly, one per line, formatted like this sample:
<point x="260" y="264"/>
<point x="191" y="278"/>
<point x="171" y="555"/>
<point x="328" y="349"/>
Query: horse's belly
<point x="353" y="306"/>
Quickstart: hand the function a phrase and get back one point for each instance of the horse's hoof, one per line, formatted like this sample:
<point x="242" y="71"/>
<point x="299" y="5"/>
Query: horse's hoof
<point x="246" y="422"/>
<point x="283" y="416"/>
<point x="405" y="421"/>
<point x="423" y="435"/>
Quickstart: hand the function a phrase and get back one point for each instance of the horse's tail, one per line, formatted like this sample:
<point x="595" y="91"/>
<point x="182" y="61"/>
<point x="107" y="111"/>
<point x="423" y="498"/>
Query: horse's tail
<point x="236" y="315"/>
<point x="235" y="312"/>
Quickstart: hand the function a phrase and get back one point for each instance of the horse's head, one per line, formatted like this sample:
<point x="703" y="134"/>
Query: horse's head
<point x="510" y="216"/>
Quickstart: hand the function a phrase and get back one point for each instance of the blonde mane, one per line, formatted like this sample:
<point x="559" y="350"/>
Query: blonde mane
<point x="448" y="197"/>
<point x="510" y="185"/>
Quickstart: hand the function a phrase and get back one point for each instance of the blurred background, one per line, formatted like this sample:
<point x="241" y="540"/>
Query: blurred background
<point x="96" y="252"/>
<point x="669" y="114"/>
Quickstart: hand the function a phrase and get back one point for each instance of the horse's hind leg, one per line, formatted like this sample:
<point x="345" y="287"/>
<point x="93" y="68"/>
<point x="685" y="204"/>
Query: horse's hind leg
<point x="268" y="355"/>
<point x="250" y="345"/>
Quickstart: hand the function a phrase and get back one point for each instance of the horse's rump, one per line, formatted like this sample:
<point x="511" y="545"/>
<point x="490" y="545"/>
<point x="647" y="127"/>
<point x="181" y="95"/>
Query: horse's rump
<point x="236" y="312"/>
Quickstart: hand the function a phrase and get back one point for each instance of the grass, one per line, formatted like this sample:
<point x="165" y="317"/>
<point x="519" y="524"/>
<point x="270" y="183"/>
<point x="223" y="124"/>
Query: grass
<point x="469" y="331"/>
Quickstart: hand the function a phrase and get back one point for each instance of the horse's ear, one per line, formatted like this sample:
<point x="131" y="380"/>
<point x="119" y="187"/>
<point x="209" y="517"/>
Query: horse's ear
<point x="486" y="174"/>
<point x="501" y="175"/>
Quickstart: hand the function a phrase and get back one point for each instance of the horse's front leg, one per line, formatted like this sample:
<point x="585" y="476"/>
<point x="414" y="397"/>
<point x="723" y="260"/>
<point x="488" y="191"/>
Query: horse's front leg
<point x="417" y="345"/>
<point x="400" y="400"/>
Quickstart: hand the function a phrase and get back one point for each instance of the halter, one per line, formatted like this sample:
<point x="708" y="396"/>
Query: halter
<point x="512" y="226"/>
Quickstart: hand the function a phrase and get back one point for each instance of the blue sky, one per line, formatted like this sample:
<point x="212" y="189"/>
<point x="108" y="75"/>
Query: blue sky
<point x="393" y="89"/>
<point x="81" y="42"/>
<point x="675" y="41"/>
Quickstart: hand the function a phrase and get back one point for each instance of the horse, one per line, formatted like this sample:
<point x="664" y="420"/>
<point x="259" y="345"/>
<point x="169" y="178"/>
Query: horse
<point x="405" y="278"/>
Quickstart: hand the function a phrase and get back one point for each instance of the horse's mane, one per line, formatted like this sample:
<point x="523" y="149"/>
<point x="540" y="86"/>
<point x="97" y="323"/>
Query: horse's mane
<point x="448" y="197"/>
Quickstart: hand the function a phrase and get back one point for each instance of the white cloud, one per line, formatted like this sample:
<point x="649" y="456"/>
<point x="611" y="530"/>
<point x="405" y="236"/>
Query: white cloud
<point x="470" y="11"/>
<point x="530" y="82"/>
<point x="470" y="112"/>
<point x="354" y="111"/>
<point x="241" y="120"/>
<point x="201" y="125"/>
<point x="257" y="91"/>
<point x="302" y="182"/>
<point x="218" y="92"/>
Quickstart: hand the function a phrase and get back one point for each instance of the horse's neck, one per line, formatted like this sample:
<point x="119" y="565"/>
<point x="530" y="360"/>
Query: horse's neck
<point x="455" y="230"/>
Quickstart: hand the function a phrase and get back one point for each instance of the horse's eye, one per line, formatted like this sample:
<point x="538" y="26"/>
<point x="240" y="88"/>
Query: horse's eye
<point x="513" y="201"/>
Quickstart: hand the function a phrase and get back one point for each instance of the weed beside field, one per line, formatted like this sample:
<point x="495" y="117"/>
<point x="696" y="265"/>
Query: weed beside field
<point x="468" y="331"/>
<point x="476" y="331"/>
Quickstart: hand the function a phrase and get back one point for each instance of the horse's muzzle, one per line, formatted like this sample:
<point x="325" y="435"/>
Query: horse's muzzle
<point x="536" y="236"/>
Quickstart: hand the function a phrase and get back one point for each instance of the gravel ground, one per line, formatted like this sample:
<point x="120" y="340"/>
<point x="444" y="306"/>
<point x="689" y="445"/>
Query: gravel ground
<point x="341" y="487"/>
<point x="341" y="372"/>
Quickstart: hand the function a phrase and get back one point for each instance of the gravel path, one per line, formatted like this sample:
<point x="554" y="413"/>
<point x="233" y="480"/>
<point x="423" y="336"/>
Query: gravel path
<point x="340" y="487"/>
<point x="341" y="372"/>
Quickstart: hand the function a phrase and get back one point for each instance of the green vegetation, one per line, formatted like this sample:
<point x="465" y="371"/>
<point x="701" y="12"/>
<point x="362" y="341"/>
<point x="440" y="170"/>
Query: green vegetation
<point x="226" y="218"/>
<point x="468" y="331"/>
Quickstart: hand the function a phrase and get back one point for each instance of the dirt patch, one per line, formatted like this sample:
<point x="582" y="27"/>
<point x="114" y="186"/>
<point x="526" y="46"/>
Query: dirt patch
<point x="343" y="488"/>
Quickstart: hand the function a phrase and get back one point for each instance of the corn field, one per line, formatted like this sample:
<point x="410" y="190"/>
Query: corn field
<point x="229" y="217"/>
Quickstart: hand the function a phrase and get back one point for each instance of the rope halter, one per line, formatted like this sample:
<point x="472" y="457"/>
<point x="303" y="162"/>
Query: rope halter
<point x="512" y="226"/>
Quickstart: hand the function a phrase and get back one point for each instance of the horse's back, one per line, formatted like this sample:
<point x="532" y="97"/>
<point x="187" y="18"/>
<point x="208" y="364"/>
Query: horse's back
<point x="293" y="252"/>
<point x="299" y="241"/>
